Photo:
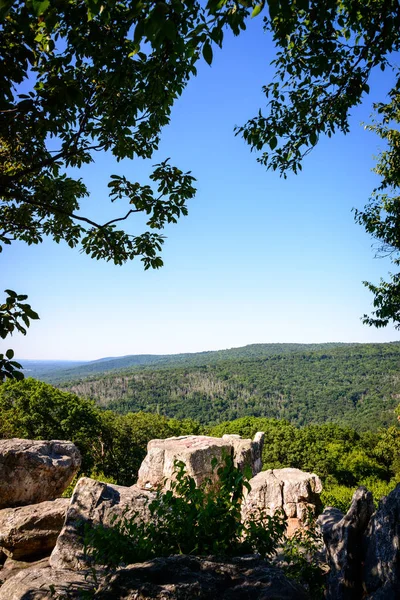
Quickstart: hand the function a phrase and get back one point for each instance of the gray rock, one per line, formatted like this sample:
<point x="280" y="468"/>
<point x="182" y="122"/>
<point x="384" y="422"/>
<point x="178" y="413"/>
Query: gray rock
<point x="95" y="503"/>
<point x="247" y="453"/>
<point x="382" y="550"/>
<point x="343" y="538"/>
<point x="45" y="584"/>
<point x="11" y="567"/>
<point x="197" y="452"/>
<point x="293" y="491"/>
<point x="187" y="577"/>
<point x="29" y="531"/>
<point x="35" y="471"/>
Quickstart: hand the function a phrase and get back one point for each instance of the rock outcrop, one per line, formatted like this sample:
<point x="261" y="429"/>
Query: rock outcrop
<point x="381" y="559"/>
<point x="343" y="540"/>
<point x="175" y="577"/>
<point x="206" y="578"/>
<point x="95" y="503"/>
<point x="31" y="531"/>
<point x="363" y="548"/>
<point x="294" y="492"/>
<point x="197" y="452"/>
<point x="35" y="471"/>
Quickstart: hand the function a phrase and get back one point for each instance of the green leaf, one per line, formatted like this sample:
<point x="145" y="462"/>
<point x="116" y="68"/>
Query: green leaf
<point x="40" y="6"/>
<point x="10" y="354"/>
<point x="257" y="9"/>
<point x="207" y="52"/>
<point x="273" y="142"/>
<point x="313" y="138"/>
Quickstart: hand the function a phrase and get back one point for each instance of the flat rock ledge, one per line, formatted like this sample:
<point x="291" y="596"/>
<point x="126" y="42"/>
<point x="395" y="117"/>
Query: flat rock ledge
<point x="172" y="578"/>
<point x="35" y="471"/>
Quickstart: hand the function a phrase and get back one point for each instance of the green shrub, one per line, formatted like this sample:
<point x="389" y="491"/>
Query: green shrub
<point x="186" y="519"/>
<point x="338" y="496"/>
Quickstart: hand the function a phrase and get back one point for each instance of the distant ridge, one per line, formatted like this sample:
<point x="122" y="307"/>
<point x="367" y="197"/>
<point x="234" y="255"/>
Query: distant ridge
<point x="110" y="364"/>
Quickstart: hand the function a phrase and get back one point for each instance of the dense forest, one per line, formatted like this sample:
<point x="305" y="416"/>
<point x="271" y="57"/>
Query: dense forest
<point x="346" y="384"/>
<point x="194" y="359"/>
<point x="113" y="445"/>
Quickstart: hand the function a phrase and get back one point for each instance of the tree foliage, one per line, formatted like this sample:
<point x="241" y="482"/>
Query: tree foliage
<point x="110" y="444"/>
<point x="87" y="77"/>
<point x="76" y="84"/>
<point x="381" y="217"/>
<point x="326" y="52"/>
<point x="15" y="315"/>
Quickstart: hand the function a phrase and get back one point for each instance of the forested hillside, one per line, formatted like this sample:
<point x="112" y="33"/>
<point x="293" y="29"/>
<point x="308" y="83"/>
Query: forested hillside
<point x="194" y="359"/>
<point x="357" y="385"/>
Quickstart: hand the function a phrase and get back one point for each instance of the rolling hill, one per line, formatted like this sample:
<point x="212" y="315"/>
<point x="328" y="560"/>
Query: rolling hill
<point x="350" y="384"/>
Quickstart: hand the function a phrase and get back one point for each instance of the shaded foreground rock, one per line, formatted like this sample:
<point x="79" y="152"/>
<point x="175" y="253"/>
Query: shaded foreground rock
<point x="175" y="577"/>
<point x="29" y="531"/>
<point x="94" y="503"/>
<point x="185" y="577"/>
<point x="35" y="471"/>
<point x="11" y="567"/>
<point x="197" y="452"/>
<point x="291" y="490"/>
<point x="382" y="550"/>
<point x="343" y="538"/>
<point x="37" y="584"/>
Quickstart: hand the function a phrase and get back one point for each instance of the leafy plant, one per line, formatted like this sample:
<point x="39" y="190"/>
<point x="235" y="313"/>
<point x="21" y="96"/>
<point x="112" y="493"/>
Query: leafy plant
<point x="15" y="315"/>
<point x="186" y="519"/>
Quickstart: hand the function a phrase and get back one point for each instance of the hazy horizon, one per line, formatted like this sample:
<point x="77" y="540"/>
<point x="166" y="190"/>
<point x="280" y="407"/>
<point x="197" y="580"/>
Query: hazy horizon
<point x="100" y="358"/>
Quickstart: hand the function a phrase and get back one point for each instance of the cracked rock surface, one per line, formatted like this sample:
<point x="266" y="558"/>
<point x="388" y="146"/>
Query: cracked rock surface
<point x="34" y="471"/>
<point x="293" y="491"/>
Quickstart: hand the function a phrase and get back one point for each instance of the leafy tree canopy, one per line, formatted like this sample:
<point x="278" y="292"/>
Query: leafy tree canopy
<point x="110" y="444"/>
<point x="326" y="52"/>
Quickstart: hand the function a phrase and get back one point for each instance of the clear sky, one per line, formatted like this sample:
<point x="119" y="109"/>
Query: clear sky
<point x="258" y="259"/>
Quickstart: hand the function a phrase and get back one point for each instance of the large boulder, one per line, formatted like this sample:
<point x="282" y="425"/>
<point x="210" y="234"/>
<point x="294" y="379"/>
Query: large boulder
<point x="31" y="531"/>
<point x="197" y="453"/>
<point x="294" y="492"/>
<point x="382" y="550"/>
<point x="343" y="538"/>
<point x="34" y="471"/>
<point x="176" y="577"/>
<point x="95" y="503"/>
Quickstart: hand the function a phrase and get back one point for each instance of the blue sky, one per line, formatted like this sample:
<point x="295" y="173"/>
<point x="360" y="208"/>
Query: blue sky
<point x="258" y="259"/>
